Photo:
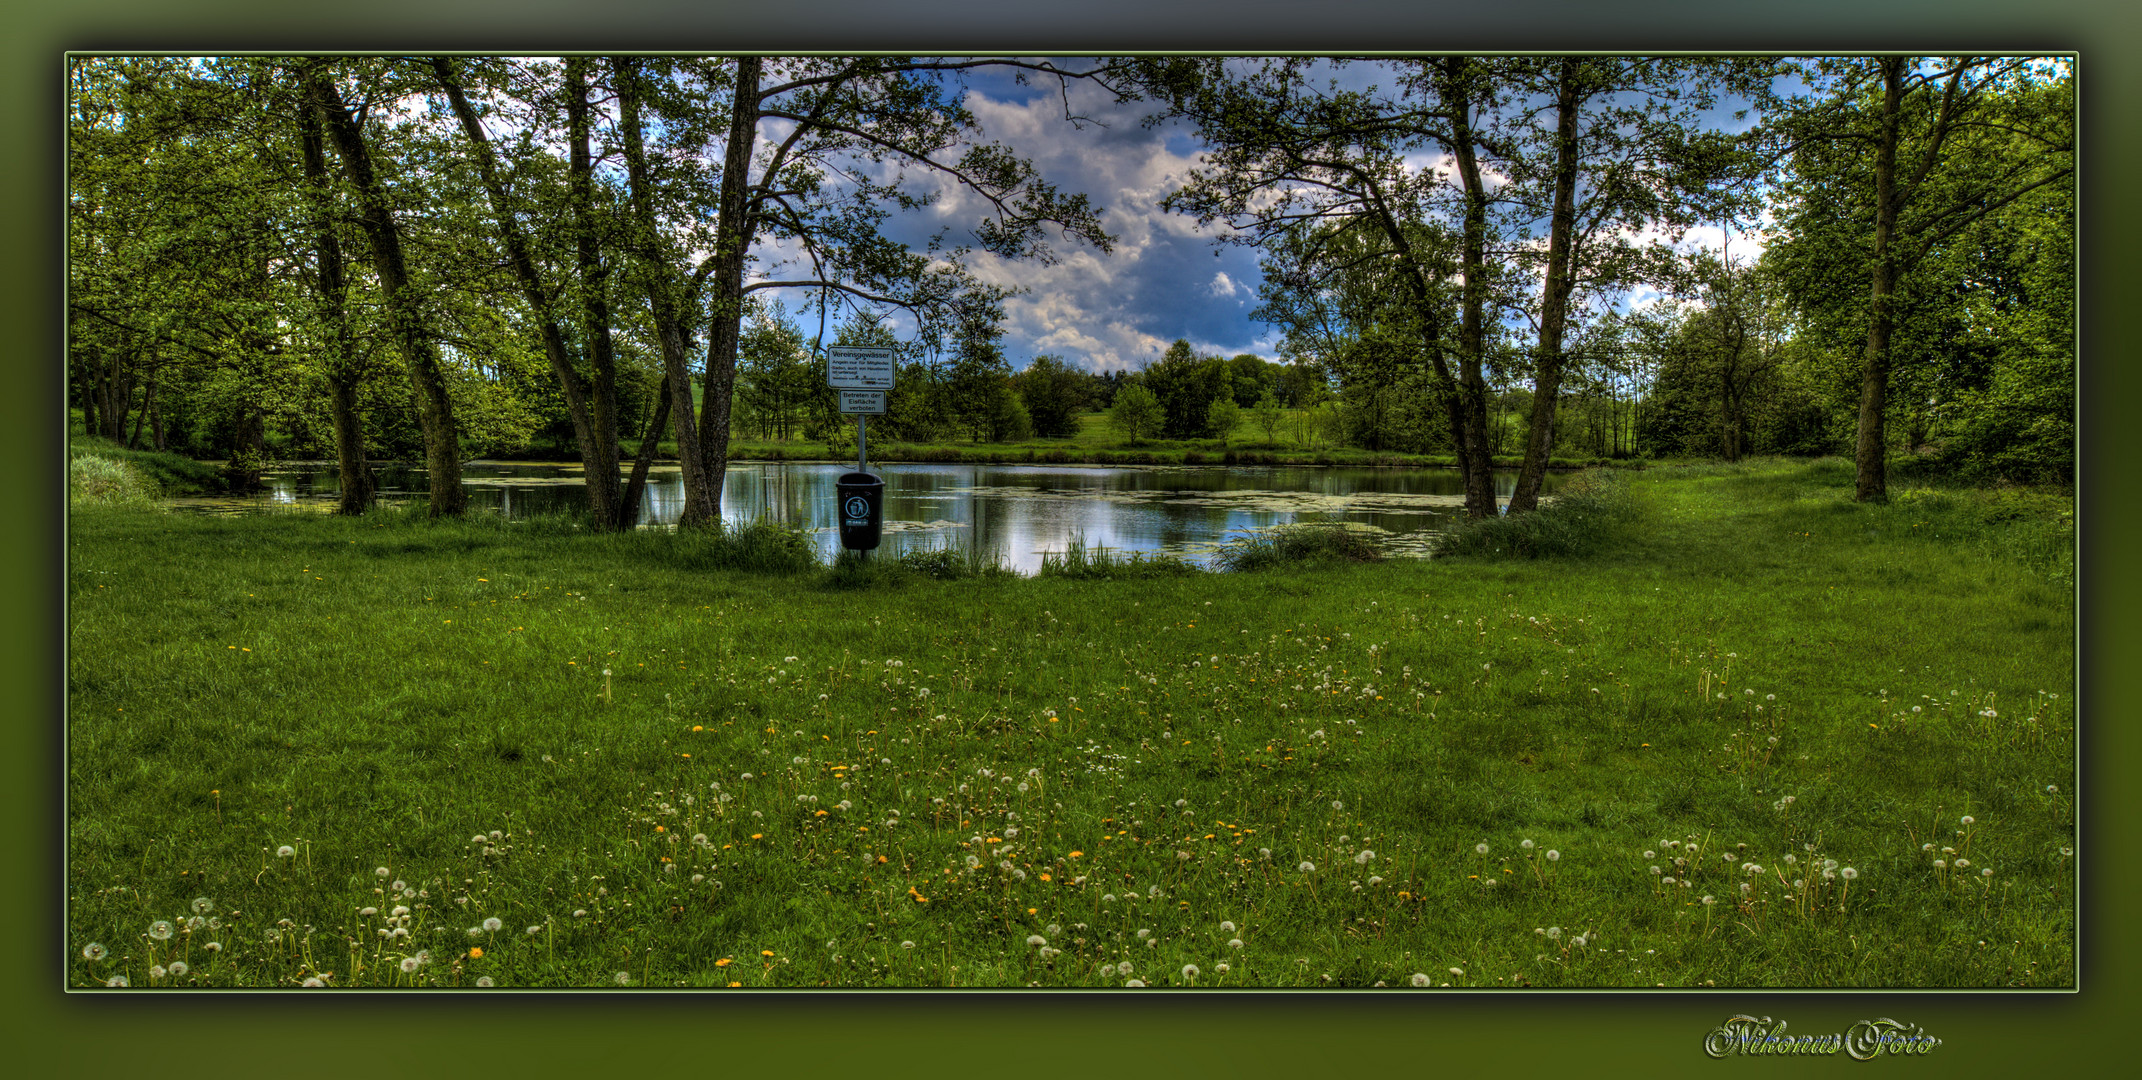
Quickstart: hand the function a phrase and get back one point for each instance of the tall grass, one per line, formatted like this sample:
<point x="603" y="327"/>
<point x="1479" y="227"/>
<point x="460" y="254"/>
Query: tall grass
<point x="1081" y="563"/>
<point x="1315" y="542"/>
<point x="100" y="482"/>
<point x="168" y="474"/>
<point x="1594" y="510"/>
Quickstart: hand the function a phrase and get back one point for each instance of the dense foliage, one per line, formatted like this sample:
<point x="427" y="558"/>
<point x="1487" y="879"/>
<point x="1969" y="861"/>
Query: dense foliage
<point x="231" y="294"/>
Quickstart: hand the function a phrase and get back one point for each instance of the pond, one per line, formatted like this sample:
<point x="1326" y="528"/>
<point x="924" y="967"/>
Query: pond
<point x="1018" y="511"/>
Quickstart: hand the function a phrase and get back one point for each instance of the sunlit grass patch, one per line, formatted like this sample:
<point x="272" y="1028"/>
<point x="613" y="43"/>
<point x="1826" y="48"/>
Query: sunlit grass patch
<point x="634" y="760"/>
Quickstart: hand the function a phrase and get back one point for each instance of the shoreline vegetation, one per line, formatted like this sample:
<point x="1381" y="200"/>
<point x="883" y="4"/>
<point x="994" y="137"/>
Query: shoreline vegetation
<point x="1744" y="727"/>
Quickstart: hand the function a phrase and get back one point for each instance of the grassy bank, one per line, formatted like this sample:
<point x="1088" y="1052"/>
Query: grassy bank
<point x="526" y="755"/>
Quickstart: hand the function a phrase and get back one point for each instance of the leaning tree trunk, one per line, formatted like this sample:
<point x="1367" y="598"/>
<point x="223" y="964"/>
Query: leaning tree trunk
<point x="1475" y="458"/>
<point x="1554" y="303"/>
<point x="701" y="502"/>
<point x="732" y="242"/>
<point x="358" y="485"/>
<point x="435" y="411"/>
<point x="636" y="488"/>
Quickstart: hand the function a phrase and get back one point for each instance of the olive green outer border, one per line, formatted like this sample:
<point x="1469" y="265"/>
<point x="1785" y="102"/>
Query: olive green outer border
<point x="239" y="1035"/>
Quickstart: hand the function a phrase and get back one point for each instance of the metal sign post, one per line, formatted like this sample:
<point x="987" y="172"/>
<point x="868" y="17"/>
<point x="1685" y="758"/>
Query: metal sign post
<point x="863" y="375"/>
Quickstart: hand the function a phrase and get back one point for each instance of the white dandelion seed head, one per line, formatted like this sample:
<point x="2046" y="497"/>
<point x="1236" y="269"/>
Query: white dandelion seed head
<point x="1364" y="857"/>
<point x="1234" y="943"/>
<point x="93" y="951"/>
<point x="1848" y="873"/>
<point x="1227" y="927"/>
<point x="624" y="978"/>
<point x="492" y="925"/>
<point x="160" y="930"/>
<point x="409" y="965"/>
<point x="1123" y="968"/>
<point x="1460" y="972"/>
<point x="1553" y="855"/>
<point x="1190" y="971"/>
<point x="1036" y="940"/>
<point x="1480" y="849"/>
<point x="116" y="980"/>
<point x="1308" y="867"/>
<point x="285" y="851"/>
<point x="1421" y="979"/>
<point x="1526" y="844"/>
<point x="1969" y="820"/>
<point x="382" y="872"/>
<point x="485" y="981"/>
<point x="178" y="968"/>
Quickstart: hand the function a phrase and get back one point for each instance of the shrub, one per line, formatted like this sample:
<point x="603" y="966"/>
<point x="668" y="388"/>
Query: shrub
<point x="1589" y="511"/>
<point x="1297" y="544"/>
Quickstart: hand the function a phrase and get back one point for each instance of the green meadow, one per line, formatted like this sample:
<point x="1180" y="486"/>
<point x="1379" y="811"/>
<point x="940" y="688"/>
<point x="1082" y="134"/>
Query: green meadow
<point x="1732" y="729"/>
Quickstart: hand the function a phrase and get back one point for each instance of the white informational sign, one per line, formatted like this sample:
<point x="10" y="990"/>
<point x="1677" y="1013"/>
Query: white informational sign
<point x="859" y="367"/>
<point x="869" y="402"/>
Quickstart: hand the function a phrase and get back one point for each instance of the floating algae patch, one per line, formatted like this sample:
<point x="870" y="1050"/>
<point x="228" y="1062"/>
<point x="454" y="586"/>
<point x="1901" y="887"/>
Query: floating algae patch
<point x="1247" y="499"/>
<point x="1412" y="544"/>
<point x="896" y="526"/>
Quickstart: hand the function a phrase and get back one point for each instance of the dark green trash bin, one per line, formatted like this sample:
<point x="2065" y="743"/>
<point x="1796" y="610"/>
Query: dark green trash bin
<point x="861" y="509"/>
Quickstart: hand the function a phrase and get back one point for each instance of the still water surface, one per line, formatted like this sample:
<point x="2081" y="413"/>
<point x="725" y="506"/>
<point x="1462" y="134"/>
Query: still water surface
<point x="1019" y="511"/>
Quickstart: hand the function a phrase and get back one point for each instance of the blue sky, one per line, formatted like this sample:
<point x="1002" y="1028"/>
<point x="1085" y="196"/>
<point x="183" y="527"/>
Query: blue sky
<point x="1166" y="278"/>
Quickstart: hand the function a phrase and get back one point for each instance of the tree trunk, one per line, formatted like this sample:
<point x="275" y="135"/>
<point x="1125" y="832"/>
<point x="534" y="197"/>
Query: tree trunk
<point x="1872" y="453"/>
<point x="732" y="242"/>
<point x="435" y="409"/>
<point x="598" y="456"/>
<point x="113" y="408"/>
<point x="1554" y="300"/>
<point x="148" y="395"/>
<point x="1475" y="460"/>
<point x="636" y="488"/>
<point x="358" y="485"/>
<point x="595" y="309"/>
<point x="701" y="505"/>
